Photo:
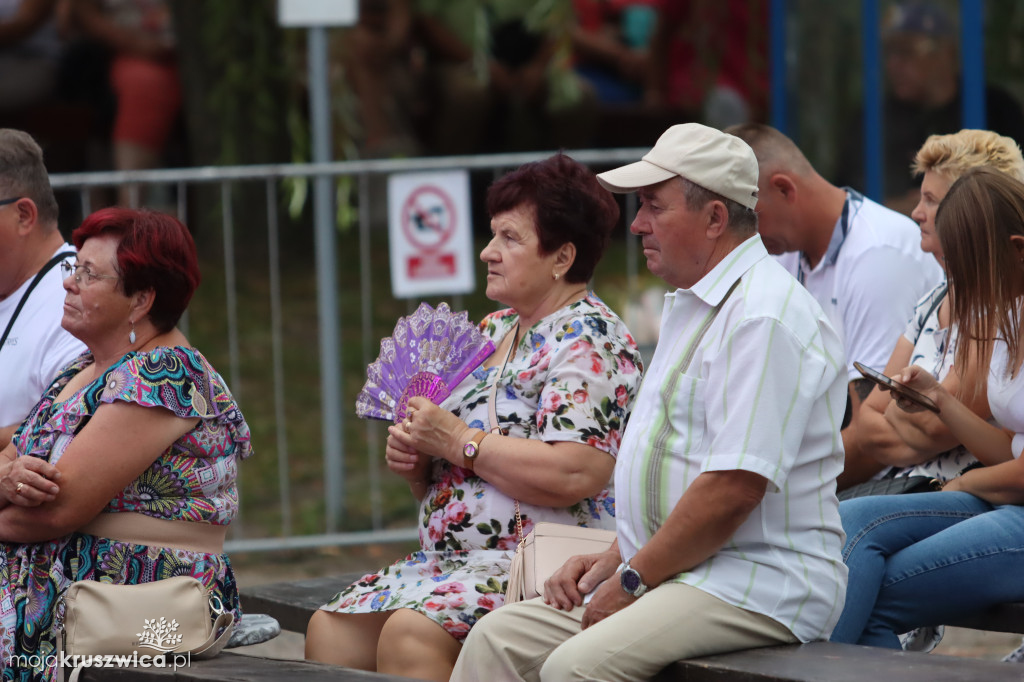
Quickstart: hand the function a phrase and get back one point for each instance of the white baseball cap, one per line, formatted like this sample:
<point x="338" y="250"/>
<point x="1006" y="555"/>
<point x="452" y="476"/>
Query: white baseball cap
<point x="716" y="161"/>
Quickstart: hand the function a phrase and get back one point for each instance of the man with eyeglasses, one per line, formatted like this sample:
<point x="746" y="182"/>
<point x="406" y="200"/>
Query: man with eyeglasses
<point x="33" y="345"/>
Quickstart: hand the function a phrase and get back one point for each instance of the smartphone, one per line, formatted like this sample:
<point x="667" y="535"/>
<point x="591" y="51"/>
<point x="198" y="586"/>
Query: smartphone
<point x="896" y="387"/>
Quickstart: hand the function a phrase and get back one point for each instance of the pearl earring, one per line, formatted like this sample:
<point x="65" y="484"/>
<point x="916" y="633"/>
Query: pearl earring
<point x="557" y="276"/>
<point x="131" y="334"/>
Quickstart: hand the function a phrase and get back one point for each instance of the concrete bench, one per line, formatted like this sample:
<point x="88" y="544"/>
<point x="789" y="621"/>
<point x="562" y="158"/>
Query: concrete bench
<point x="826" y="661"/>
<point x="292" y="604"/>
<point x="817" y="662"/>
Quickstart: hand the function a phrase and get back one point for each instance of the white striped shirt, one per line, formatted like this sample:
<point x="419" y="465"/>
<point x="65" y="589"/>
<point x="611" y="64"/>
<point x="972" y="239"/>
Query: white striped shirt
<point x="765" y="392"/>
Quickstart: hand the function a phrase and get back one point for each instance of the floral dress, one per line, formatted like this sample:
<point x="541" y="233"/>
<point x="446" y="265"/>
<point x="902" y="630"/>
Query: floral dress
<point x="573" y="378"/>
<point x="193" y="480"/>
<point x="934" y="350"/>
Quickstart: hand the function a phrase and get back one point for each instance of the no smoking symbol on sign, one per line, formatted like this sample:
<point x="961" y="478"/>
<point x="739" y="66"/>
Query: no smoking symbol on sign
<point x="428" y="218"/>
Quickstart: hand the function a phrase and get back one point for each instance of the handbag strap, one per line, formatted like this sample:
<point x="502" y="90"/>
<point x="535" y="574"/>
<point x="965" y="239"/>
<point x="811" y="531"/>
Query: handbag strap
<point x="24" y="297"/>
<point x="213" y="644"/>
<point x="692" y="350"/>
<point x="652" y="515"/>
<point x="931" y="309"/>
<point x="141" y="529"/>
<point x="492" y="414"/>
<point x="492" y="394"/>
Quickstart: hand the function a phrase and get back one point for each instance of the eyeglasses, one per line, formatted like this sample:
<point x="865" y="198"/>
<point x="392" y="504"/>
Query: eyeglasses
<point x="4" y="202"/>
<point x="78" y="270"/>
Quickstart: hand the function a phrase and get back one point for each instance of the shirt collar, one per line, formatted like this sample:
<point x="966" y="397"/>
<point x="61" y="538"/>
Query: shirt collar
<point x="854" y="199"/>
<point x="713" y="287"/>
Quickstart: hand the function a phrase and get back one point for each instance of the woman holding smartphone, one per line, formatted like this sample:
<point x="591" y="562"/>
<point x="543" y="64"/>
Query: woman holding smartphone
<point x="904" y="550"/>
<point x="919" y="444"/>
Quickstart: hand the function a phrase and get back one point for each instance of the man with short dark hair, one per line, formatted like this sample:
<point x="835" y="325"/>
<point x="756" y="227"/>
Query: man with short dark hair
<point x="861" y="261"/>
<point x="726" y="514"/>
<point x="34" y="345"/>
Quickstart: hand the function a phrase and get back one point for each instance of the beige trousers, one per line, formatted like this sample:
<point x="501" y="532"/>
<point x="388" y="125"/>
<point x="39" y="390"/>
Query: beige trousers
<point x="533" y="641"/>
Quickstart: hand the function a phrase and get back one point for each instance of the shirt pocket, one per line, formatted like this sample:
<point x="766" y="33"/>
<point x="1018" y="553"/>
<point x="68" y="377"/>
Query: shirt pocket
<point x="684" y="410"/>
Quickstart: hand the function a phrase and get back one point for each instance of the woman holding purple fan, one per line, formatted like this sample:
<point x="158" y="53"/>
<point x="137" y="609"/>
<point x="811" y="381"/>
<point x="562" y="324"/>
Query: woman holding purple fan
<point x="532" y="433"/>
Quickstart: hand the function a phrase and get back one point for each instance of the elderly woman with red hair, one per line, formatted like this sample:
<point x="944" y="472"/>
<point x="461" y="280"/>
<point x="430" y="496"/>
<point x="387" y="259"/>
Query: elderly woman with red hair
<point x="125" y="470"/>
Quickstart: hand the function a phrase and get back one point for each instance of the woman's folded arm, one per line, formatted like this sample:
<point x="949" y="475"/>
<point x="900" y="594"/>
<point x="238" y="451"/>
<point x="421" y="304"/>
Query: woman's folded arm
<point x="117" y="445"/>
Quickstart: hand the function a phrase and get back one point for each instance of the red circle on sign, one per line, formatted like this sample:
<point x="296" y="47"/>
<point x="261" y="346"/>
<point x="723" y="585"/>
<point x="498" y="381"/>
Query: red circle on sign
<point x="428" y="218"/>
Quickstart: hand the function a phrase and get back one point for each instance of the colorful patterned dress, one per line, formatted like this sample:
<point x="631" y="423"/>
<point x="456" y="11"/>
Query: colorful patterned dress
<point x="573" y="378"/>
<point x="193" y="480"/>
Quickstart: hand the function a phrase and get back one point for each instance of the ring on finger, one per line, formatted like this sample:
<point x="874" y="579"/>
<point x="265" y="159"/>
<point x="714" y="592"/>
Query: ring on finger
<point x="17" y="488"/>
<point x="408" y="425"/>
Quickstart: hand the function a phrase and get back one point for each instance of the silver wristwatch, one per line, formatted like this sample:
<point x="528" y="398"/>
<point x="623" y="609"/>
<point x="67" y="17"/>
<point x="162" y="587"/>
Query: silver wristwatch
<point x="631" y="581"/>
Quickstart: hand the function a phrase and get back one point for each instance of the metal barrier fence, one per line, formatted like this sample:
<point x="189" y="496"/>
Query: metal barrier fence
<point x="228" y="178"/>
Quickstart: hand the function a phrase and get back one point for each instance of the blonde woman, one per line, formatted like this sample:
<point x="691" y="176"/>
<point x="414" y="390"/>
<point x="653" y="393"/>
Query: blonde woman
<point x="917" y="560"/>
<point x="919" y="444"/>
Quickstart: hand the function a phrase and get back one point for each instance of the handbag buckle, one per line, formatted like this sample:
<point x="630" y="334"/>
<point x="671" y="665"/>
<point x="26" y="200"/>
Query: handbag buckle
<point x="58" y="618"/>
<point x="216" y="606"/>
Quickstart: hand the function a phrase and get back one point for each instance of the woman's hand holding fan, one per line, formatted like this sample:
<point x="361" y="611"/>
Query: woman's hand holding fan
<point x="429" y="353"/>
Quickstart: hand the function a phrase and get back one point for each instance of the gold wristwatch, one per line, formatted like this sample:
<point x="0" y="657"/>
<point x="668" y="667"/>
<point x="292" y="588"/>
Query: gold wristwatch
<point x="471" y="449"/>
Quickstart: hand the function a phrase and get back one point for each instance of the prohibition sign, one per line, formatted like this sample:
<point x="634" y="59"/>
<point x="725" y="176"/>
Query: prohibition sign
<point x="428" y="218"/>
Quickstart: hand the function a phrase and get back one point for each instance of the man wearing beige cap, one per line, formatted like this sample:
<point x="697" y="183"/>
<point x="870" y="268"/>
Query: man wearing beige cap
<point x="728" y="526"/>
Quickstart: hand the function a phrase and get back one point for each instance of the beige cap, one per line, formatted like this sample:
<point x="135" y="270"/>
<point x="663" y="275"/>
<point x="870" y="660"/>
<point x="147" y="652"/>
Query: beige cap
<point x="716" y="161"/>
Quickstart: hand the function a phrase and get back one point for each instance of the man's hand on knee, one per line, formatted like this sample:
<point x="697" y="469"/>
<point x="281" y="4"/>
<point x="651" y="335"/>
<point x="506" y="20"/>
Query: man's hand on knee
<point x="607" y="600"/>
<point x="566" y="587"/>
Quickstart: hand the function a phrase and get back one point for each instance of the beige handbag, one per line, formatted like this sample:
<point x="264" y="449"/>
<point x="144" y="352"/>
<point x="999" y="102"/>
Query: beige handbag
<point x="176" y="615"/>
<point x="173" y="617"/>
<point x="549" y="545"/>
<point x="544" y="550"/>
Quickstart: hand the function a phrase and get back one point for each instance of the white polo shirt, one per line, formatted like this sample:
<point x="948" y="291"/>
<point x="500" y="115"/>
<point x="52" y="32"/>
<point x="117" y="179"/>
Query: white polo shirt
<point x="869" y="280"/>
<point x="37" y="347"/>
<point x="764" y="392"/>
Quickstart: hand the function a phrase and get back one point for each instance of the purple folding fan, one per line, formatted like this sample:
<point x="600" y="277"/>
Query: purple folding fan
<point x="429" y="353"/>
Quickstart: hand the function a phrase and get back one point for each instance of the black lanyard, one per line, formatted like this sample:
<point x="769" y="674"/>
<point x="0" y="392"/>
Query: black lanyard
<point x="24" y="297"/>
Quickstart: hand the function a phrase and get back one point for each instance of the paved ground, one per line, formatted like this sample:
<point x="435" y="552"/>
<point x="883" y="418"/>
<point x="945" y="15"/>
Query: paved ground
<point x="257" y="569"/>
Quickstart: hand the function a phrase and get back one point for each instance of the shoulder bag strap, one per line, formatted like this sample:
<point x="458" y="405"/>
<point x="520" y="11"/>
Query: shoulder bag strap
<point x="931" y="309"/>
<point x="652" y="514"/>
<point x="24" y="297"/>
<point x="688" y="358"/>
<point x="493" y="393"/>
<point x="492" y="414"/>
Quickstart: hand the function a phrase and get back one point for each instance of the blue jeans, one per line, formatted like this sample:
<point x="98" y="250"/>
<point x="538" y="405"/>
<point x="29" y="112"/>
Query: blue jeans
<point x="925" y="559"/>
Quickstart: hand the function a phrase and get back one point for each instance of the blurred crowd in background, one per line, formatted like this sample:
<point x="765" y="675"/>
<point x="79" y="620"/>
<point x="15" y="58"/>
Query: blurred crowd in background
<point x="97" y="81"/>
<point x="466" y="76"/>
